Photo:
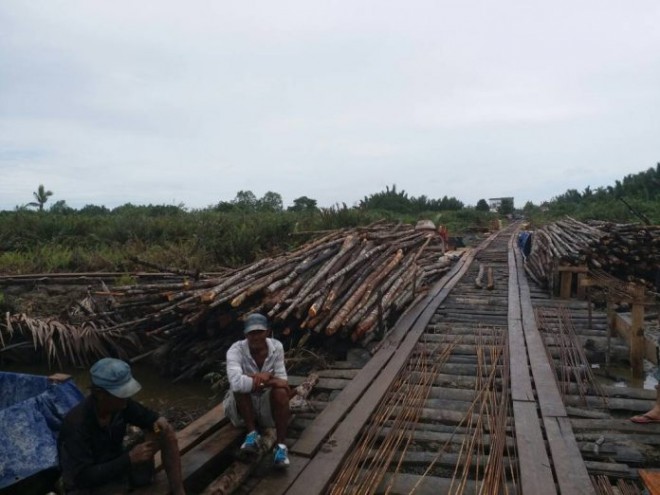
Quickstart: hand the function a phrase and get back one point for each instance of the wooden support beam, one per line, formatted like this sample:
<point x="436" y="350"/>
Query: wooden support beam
<point x="581" y="289"/>
<point x="637" y="343"/>
<point x="622" y="327"/>
<point x="573" y="269"/>
<point x="651" y="479"/>
<point x="565" y="284"/>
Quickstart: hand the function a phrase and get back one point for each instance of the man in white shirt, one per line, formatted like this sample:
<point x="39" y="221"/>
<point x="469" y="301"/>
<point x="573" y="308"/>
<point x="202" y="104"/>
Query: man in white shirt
<point x="258" y="387"/>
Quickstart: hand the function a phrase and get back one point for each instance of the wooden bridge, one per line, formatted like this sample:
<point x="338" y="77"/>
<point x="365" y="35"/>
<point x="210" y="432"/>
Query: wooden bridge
<point x="478" y="388"/>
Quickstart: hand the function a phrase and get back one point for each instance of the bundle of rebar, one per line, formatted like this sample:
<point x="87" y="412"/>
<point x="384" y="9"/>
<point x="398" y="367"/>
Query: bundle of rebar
<point x="484" y="450"/>
<point x="572" y="367"/>
<point x="487" y="415"/>
<point x="394" y="423"/>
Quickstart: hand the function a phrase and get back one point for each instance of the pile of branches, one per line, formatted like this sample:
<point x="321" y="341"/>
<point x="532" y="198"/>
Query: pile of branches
<point x="346" y="284"/>
<point x="630" y="252"/>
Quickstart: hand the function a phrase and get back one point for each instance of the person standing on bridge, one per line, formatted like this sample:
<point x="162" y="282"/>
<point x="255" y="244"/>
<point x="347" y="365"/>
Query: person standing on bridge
<point x="91" y="454"/>
<point x="258" y="388"/>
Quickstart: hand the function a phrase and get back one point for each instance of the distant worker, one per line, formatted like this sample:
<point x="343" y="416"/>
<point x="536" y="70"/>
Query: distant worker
<point x="91" y="454"/>
<point x="258" y="388"/>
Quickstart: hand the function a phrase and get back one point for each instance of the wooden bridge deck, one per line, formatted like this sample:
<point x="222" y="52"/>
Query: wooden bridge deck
<point x="550" y="433"/>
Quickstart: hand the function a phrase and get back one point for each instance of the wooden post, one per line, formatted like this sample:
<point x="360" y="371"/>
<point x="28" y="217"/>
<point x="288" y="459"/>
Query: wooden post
<point x="565" y="285"/>
<point x="381" y="324"/>
<point x="580" y="285"/>
<point x="611" y="328"/>
<point x="490" y="279"/>
<point x="589" y="303"/>
<point x="637" y="344"/>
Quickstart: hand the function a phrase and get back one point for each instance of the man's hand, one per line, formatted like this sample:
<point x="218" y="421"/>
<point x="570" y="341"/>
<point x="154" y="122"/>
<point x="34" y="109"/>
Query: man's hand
<point x="260" y="380"/>
<point x="142" y="452"/>
<point x="162" y="426"/>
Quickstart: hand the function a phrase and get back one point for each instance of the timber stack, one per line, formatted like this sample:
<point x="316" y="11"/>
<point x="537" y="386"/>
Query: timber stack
<point x="627" y="251"/>
<point x="347" y="284"/>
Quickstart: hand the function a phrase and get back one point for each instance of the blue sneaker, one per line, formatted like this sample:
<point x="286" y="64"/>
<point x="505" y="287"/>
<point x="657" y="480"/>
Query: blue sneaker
<point x="251" y="443"/>
<point x="281" y="458"/>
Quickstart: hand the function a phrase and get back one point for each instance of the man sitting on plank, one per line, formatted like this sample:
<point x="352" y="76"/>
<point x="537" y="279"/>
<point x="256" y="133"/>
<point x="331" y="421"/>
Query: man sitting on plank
<point x="92" y="458"/>
<point x="258" y="387"/>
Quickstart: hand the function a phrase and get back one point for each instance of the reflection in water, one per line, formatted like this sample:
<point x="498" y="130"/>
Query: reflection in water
<point x="622" y="377"/>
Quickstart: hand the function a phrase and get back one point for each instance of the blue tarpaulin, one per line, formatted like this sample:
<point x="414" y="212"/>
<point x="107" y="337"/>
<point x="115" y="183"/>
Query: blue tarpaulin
<point x="31" y="412"/>
<point x="525" y="242"/>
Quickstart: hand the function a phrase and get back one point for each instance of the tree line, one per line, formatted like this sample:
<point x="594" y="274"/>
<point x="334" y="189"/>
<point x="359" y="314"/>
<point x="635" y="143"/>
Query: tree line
<point x="635" y="198"/>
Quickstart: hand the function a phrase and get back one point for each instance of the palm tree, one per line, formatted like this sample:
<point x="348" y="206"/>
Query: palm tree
<point x="41" y="195"/>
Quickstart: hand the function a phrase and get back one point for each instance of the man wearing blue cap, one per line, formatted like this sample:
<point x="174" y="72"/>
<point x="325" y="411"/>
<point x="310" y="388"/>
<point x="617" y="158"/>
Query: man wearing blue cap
<point x="258" y="387"/>
<point x="92" y="458"/>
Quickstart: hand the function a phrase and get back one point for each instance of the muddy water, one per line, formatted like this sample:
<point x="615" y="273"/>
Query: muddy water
<point x="157" y="393"/>
<point x="622" y="377"/>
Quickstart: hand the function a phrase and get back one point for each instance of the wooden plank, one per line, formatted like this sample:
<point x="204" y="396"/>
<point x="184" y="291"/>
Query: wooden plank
<point x="572" y="475"/>
<point x="521" y="383"/>
<point x="441" y="459"/>
<point x="611" y="469"/>
<point x="198" y="430"/>
<point x="565" y="285"/>
<point x="581" y="288"/>
<point x="278" y="481"/>
<point x="324" y="383"/>
<point x="200" y="463"/>
<point x="637" y="342"/>
<point x="620" y="425"/>
<point x="651" y="479"/>
<point x="613" y="403"/>
<point x="345" y="374"/>
<point x="572" y="269"/>
<point x="426" y="485"/>
<point x="535" y="471"/>
<point x="545" y="382"/>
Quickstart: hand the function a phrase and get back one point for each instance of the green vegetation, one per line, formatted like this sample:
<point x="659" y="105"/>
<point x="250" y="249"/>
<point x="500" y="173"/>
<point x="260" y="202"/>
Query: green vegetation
<point x="228" y="234"/>
<point x="634" y="199"/>
<point x="231" y="233"/>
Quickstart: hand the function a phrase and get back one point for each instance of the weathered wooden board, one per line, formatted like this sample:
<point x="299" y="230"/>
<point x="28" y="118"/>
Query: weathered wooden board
<point x="324" y="383"/>
<point x="535" y="470"/>
<point x="572" y="475"/>
<point x="201" y="463"/>
<point x="651" y="479"/>
<point x="278" y="481"/>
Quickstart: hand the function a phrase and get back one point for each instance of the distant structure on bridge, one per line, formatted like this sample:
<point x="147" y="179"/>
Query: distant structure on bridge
<point x="495" y="203"/>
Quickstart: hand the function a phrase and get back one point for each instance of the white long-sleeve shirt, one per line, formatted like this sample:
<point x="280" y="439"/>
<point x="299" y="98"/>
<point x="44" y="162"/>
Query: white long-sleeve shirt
<point x="240" y="364"/>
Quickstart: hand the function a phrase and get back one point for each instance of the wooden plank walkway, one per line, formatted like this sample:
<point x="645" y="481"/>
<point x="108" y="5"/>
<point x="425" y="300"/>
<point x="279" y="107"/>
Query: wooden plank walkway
<point x="554" y="441"/>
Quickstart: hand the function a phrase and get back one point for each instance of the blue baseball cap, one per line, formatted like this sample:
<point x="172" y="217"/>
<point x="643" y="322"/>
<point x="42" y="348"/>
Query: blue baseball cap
<point x="255" y="321"/>
<point x="114" y="376"/>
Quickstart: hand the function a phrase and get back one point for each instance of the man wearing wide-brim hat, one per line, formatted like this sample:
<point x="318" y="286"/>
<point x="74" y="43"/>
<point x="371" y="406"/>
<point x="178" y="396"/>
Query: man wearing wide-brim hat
<point x="92" y="457"/>
<point x="258" y="388"/>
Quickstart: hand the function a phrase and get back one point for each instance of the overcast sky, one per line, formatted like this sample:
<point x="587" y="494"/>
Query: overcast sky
<point x="170" y="102"/>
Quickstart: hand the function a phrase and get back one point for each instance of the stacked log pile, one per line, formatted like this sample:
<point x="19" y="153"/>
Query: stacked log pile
<point x="345" y="284"/>
<point x="627" y="251"/>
